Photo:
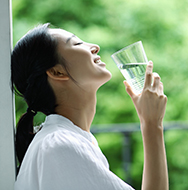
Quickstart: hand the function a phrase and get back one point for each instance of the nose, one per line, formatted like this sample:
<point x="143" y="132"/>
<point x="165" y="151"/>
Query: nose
<point x="95" y="49"/>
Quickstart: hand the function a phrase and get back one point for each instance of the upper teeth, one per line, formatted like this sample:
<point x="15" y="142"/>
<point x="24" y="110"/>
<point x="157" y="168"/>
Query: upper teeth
<point x="97" y="61"/>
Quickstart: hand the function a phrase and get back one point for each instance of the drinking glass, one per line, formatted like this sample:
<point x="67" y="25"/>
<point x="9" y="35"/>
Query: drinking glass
<point x="132" y="62"/>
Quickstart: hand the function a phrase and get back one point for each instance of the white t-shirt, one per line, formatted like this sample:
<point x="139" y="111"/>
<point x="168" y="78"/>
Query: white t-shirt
<point x="62" y="156"/>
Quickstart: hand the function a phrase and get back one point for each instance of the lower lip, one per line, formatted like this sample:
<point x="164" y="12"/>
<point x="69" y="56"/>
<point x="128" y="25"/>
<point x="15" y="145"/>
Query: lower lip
<point x="101" y="63"/>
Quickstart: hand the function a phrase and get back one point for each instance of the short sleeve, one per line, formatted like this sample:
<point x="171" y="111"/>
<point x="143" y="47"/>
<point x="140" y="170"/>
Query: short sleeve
<point x="68" y="163"/>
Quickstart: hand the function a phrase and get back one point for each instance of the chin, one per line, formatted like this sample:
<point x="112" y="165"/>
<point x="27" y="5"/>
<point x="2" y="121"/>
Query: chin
<point x="106" y="77"/>
<point x="109" y="75"/>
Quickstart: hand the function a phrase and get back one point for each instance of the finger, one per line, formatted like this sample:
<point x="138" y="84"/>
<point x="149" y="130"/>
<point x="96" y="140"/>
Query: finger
<point x="161" y="89"/>
<point x="129" y="89"/>
<point x="148" y="75"/>
<point x="156" y="80"/>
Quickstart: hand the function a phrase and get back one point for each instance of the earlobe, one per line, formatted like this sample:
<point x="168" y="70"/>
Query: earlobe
<point x="57" y="73"/>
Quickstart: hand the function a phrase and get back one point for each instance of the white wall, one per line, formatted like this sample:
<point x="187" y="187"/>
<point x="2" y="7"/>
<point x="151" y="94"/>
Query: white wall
<point x="7" y="157"/>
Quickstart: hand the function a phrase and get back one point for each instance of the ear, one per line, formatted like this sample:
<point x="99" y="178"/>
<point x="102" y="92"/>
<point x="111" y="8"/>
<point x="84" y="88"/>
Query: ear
<point x="57" y="73"/>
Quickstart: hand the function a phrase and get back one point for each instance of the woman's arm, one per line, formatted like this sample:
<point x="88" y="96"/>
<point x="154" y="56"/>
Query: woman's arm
<point x="150" y="106"/>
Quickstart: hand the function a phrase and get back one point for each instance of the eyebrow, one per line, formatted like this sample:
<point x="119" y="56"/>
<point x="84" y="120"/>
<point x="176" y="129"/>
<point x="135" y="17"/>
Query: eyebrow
<point x="68" y="39"/>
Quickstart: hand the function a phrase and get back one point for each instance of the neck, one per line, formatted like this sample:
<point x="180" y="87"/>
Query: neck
<point x="79" y="107"/>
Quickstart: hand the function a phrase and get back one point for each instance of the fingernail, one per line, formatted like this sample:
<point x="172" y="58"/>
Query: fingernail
<point x="150" y="62"/>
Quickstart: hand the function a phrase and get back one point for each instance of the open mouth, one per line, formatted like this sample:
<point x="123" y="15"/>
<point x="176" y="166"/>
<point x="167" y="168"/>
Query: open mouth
<point x="97" y="60"/>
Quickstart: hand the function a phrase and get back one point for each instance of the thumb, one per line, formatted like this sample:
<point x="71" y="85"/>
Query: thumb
<point x="129" y="89"/>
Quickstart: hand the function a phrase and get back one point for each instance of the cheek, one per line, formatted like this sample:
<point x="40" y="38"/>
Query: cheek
<point x="78" y="58"/>
<point x="80" y="66"/>
<point x="80" y="63"/>
<point x="77" y="55"/>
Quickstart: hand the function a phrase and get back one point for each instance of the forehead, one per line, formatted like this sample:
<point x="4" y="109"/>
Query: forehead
<point x="60" y="33"/>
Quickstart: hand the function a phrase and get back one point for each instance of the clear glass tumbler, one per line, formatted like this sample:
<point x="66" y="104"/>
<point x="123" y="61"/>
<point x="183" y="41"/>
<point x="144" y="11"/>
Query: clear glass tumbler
<point x="132" y="62"/>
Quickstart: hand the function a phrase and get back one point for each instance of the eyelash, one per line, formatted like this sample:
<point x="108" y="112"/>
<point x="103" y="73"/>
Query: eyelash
<point x="79" y="43"/>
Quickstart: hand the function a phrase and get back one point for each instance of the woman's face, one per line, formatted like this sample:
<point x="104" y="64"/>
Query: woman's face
<point x="84" y="65"/>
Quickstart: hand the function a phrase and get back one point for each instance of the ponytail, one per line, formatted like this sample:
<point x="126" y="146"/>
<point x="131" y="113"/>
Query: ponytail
<point x="31" y="57"/>
<point x="24" y="133"/>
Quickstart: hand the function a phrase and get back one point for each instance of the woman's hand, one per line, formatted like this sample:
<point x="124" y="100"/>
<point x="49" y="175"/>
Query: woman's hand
<point x="150" y="106"/>
<point x="151" y="103"/>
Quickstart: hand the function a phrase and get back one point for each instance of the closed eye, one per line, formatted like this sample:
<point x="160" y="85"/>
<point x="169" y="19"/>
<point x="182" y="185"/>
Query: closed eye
<point x="79" y="43"/>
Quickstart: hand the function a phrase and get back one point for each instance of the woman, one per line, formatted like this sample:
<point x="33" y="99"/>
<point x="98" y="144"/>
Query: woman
<point x="59" y="74"/>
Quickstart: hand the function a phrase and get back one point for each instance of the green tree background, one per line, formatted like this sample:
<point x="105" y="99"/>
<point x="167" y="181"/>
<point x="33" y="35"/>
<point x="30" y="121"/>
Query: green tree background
<point x="162" y="27"/>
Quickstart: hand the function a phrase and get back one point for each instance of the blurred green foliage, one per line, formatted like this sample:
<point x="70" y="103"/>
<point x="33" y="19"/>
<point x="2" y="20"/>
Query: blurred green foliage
<point x="162" y="27"/>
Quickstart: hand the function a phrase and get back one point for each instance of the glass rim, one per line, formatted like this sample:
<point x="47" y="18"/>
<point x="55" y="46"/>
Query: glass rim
<point x="138" y="42"/>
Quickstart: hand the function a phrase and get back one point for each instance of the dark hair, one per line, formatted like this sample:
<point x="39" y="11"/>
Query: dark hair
<point x="32" y="56"/>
